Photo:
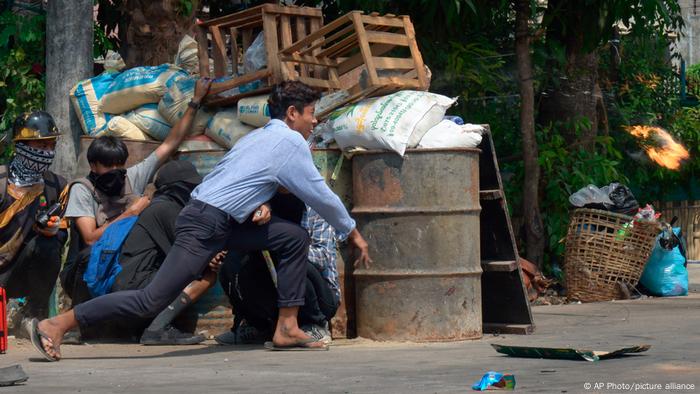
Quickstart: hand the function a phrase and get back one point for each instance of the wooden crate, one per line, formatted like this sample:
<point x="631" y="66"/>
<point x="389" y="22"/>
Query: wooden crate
<point x="227" y="38"/>
<point x="350" y="54"/>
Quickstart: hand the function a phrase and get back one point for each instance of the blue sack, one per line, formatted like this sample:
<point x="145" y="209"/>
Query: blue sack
<point x="665" y="273"/>
<point x="103" y="267"/>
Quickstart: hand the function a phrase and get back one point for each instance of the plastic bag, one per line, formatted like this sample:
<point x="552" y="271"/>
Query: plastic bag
<point x="448" y="134"/>
<point x="665" y="273"/>
<point x="589" y="195"/>
<point x="623" y="200"/>
<point x="255" y="56"/>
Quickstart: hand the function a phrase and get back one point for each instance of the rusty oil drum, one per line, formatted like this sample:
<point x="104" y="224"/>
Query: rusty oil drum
<point x="420" y="216"/>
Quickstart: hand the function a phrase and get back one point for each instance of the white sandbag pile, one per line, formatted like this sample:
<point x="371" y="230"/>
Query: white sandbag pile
<point x="174" y="104"/>
<point x="448" y="134"/>
<point x="226" y="129"/>
<point x="394" y="122"/>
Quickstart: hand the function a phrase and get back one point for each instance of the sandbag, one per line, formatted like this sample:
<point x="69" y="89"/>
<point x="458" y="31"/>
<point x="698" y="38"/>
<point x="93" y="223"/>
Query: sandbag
<point x="187" y="55"/>
<point x="665" y="273"/>
<point x="86" y="97"/>
<point x="199" y="143"/>
<point x="138" y="86"/>
<point x="225" y="128"/>
<point x="118" y="126"/>
<point x="150" y="121"/>
<point x="394" y="122"/>
<point x="174" y="104"/>
<point x="448" y="134"/>
<point x="254" y="111"/>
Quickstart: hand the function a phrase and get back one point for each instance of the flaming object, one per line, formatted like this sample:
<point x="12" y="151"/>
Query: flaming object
<point x="660" y="146"/>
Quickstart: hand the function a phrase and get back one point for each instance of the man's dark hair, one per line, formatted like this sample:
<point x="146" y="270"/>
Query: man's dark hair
<point x="108" y="151"/>
<point x="289" y="93"/>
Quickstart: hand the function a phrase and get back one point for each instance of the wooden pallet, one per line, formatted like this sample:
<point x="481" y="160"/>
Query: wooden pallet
<point x="227" y="38"/>
<point x="334" y="57"/>
<point x="505" y="305"/>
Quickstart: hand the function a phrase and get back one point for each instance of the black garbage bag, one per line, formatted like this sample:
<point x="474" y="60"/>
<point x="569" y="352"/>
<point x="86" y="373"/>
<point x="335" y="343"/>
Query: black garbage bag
<point x="623" y="199"/>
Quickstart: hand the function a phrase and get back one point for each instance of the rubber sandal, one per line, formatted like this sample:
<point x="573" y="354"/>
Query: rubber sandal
<point x="35" y="335"/>
<point x="9" y="376"/>
<point x="298" y="346"/>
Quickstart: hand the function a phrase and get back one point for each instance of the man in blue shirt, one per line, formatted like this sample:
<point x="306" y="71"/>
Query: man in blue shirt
<point x="228" y="212"/>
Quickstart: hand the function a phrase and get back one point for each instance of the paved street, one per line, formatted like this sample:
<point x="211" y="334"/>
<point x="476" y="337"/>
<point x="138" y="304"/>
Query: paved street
<point x="671" y="326"/>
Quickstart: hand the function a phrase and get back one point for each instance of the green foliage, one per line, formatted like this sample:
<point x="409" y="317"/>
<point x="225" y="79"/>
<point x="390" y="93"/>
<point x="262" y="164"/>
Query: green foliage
<point x="21" y="67"/>
<point x="565" y="169"/>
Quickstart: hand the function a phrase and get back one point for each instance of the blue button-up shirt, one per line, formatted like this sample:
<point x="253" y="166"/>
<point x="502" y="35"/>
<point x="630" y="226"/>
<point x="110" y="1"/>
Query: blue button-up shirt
<point x="266" y="158"/>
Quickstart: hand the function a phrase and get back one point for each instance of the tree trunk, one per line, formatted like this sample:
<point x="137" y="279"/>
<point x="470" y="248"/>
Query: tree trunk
<point x="152" y="30"/>
<point x="534" y="229"/>
<point x="570" y="97"/>
<point x="69" y="40"/>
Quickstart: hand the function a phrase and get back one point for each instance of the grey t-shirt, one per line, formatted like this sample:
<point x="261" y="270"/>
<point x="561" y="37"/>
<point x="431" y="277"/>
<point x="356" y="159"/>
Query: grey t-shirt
<point x="81" y="203"/>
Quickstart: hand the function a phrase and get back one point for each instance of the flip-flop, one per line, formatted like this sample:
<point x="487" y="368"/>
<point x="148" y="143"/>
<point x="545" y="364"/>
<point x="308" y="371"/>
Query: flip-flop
<point x="12" y="375"/>
<point x="302" y="345"/>
<point x="36" y="334"/>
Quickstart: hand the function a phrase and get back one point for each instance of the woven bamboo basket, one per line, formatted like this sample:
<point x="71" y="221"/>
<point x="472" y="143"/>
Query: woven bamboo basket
<point x="598" y="261"/>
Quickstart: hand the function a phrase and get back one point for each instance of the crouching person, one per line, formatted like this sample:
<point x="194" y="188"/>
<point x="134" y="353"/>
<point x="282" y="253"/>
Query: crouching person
<point x="31" y="232"/>
<point x="248" y="283"/>
<point x="111" y="192"/>
<point x="148" y="243"/>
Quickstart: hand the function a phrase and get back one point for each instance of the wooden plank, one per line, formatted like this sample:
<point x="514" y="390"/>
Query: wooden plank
<point x="340" y="33"/>
<point x="387" y="38"/>
<point x="399" y="82"/>
<point x="320" y="33"/>
<point x="502" y="328"/>
<point x="383" y="21"/>
<point x="309" y="60"/>
<point x="314" y="26"/>
<point x="499" y="266"/>
<point x="233" y="43"/>
<point x="233" y="17"/>
<point x="216" y="101"/>
<point x="490" y="194"/>
<point x="218" y="87"/>
<point x="310" y="12"/>
<point x="357" y="60"/>
<point x="272" y="47"/>
<point x="300" y="25"/>
<point x="365" y="50"/>
<point x="287" y="69"/>
<point x="218" y="52"/>
<point x="246" y="39"/>
<point x="321" y="83"/>
<point x="340" y="46"/>
<point x="203" y="51"/>
<point x="415" y="53"/>
<point x="393" y="63"/>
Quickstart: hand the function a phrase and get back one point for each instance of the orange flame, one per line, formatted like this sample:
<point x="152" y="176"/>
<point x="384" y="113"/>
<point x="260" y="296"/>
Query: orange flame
<point x="660" y="146"/>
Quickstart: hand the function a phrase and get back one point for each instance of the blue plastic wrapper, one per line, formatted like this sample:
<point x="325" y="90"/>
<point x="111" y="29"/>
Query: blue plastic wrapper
<point x="493" y="380"/>
<point x="455" y="119"/>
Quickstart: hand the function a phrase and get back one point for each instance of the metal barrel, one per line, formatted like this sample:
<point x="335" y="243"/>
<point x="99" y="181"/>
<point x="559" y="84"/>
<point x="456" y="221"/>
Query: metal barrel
<point x="420" y="217"/>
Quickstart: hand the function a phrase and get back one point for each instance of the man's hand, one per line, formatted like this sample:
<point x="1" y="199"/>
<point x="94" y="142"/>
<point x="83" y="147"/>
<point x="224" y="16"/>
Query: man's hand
<point x="52" y="227"/>
<point x="215" y="263"/>
<point x="356" y="240"/>
<point x="201" y="89"/>
<point x="138" y="206"/>
<point x="262" y="215"/>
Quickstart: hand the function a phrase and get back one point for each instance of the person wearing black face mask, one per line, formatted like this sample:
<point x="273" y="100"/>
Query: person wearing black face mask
<point x="147" y="245"/>
<point x="111" y="192"/>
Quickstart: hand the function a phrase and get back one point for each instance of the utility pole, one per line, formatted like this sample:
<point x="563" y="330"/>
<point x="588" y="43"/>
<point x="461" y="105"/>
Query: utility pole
<point x="69" y="41"/>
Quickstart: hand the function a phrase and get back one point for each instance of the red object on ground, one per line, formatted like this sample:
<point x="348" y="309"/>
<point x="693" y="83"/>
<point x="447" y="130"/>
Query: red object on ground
<point x="3" y="321"/>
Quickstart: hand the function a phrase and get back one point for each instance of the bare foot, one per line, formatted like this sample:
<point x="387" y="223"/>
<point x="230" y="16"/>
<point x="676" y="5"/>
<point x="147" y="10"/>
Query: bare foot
<point x="52" y="346"/>
<point x="290" y="336"/>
